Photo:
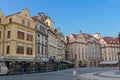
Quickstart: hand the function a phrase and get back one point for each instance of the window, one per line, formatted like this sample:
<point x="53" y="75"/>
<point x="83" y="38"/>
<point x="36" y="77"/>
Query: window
<point x="42" y="49"/>
<point x="46" y="50"/>
<point x="8" y="34"/>
<point x="20" y="50"/>
<point x="8" y="49"/>
<point x="20" y="35"/>
<point x="38" y="38"/>
<point x="47" y="23"/>
<point x="25" y="15"/>
<point x="42" y="29"/>
<point x="0" y="34"/>
<point x="42" y="19"/>
<point x="0" y="20"/>
<point x="29" y="37"/>
<point x="38" y="49"/>
<point x="23" y="21"/>
<point x="10" y="20"/>
<point x="29" y="51"/>
<point x="29" y="24"/>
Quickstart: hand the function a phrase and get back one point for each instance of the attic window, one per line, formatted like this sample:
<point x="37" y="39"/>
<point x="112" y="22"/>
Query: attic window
<point x="25" y="15"/>
<point x="10" y="20"/>
<point x="47" y="23"/>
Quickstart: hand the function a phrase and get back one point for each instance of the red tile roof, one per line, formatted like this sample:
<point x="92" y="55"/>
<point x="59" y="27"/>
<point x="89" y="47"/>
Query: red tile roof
<point x="87" y="36"/>
<point x="110" y="40"/>
<point x="35" y="18"/>
<point x="74" y="35"/>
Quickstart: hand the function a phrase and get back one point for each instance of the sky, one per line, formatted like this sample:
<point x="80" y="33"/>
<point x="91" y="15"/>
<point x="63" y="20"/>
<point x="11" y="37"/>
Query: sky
<point x="71" y="16"/>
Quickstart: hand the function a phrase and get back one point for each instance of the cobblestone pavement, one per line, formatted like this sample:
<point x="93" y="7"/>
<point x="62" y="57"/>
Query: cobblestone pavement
<point x="84" y="74"/>
<point x="102" y="75"/>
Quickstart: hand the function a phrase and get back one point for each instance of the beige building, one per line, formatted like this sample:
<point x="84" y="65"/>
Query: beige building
<point x="52" y="39"/>
<point x="60" y="44"/>
<point x="17" y="36"/>
<point x="56" y="45"/>
<point x="2" y="28"/>
<point x="17" y="41"/>
<point x="77" y="49"/>
<point x="83" y="49"/>
<point x="94" y="53"/>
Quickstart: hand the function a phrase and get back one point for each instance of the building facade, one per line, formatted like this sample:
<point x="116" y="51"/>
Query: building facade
<point x="20" y="36"/>
<point x="77" y="49"/>
<point x="41" y="37"/>
<point x="26" y="42"/>
<point x="60" y="44"/>
<point x="17" y="41"/>
<point x="109" y="49"/>
<point x="52" y="39"/>
<point x="56" y="41"/>
<point x="2" y="29"/>
<point x="84" y="50"/>
<point x="94" y="53"/>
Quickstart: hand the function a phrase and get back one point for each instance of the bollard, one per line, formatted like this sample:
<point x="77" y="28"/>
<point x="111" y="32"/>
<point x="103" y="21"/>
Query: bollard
<point x="74" y="73"/>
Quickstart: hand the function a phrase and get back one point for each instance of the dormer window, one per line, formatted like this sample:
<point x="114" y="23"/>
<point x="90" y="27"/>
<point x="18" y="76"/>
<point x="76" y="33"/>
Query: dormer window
<point x="23" y="21"/>
<point x="25" y="15"/>
<point x="10" y="20"/>
<point x="47" y="23"/>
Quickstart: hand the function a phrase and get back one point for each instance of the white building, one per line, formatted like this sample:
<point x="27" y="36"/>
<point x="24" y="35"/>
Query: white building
<point x="109" y="49"/>
<point x="41" y="36"/>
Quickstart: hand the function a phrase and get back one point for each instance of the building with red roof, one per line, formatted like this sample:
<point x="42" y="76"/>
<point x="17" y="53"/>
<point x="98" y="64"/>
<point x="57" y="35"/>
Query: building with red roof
<point x="83" y="49"/>
<point x="109" y="49"/>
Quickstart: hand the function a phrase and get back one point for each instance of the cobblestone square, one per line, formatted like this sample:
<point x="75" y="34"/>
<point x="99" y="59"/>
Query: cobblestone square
<point x="82" y="74"/>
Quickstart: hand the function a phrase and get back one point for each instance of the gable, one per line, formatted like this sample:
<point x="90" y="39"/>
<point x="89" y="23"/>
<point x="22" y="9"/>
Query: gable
<point x="25" y="13"/>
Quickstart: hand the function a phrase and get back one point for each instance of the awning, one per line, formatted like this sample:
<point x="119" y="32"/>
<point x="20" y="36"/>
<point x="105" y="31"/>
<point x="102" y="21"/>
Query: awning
<point x="66" y="61"/>
<point x="44" y="59"/>
<point x="108" y="62"/>
<point x="1" y="58"/>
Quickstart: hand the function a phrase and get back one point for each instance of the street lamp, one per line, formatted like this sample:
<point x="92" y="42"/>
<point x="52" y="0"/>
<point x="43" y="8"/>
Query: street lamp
<point x="119" y="53"/>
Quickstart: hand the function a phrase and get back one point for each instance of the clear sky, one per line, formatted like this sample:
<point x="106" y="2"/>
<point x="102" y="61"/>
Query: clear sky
<point x="90" y="16"/>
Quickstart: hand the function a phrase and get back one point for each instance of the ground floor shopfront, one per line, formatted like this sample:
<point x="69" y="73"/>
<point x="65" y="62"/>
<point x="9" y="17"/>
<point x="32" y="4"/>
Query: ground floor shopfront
<point x="32" y="66"/>
<point x="109" y="64"/>
<point x="87" y="63"/>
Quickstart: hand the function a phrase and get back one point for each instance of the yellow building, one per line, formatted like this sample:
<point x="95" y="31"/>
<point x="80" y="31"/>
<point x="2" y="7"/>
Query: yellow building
<point x="17" y="36"/>
<point x="2" y="24"/>
<point x="17" y="41"/>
